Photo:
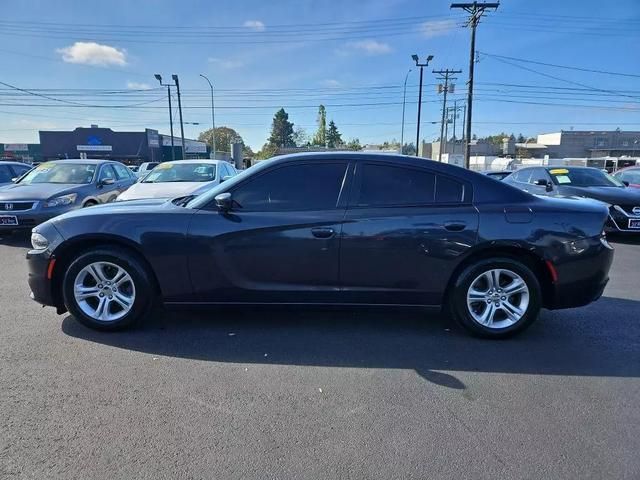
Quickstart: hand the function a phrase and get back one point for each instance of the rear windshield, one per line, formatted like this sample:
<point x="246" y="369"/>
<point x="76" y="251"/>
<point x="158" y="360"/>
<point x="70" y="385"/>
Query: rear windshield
<point x="583" y="177"/>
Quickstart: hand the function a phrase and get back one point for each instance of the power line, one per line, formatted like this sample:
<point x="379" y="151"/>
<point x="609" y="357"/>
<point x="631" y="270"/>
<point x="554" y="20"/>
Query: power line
<point x="606" y="72"/>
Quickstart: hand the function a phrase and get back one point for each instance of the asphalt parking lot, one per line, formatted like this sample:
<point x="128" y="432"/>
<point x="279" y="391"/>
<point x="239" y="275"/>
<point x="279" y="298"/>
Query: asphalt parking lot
<point x="274" y="393"/>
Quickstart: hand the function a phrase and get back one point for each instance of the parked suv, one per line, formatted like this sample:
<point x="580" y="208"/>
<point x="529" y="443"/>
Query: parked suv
<point x="53" y="188"/>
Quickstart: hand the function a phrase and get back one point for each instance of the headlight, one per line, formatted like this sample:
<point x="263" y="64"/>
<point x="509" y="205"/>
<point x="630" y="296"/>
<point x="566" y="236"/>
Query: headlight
<point x="38" y="241"/>
<point x="61" y="201"/>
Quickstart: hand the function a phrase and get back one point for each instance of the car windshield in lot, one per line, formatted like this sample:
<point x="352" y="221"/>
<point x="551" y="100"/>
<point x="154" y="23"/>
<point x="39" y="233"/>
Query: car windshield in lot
<point x="583" y="177"/>
<point x="188" y="172"/>
<point x="63" y="173"/>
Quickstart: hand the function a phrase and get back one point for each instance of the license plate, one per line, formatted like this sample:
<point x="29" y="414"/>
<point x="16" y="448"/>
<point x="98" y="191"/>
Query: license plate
<point x="633" y="223"/>
<point x="13" y="220"/>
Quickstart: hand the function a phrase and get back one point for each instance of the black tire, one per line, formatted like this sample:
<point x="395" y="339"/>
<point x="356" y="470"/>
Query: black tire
<point x="457" y="301"/>
<point x="142" y="279"/>
<point x="90" y="203"/>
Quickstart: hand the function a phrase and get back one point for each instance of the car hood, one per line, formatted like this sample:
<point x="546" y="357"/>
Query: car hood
<point x="163" y="190"/>
<point x="40" y="191"/>
<point x="611" y="195"/>
<point x="133" y="206"/>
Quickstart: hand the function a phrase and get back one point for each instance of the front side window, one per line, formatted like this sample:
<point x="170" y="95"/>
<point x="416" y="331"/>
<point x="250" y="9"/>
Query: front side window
<point x="386" y="185"/>
<point x="122" y="172"/>
<point x="631" y="176"/>
<point x="20" y="170"/>
<point x="182" y="172"/>
<point x="300" y="187"/>
<point x="72" y="173"/>
<point x="537" y="174"/>
<point x="106" y="173"/>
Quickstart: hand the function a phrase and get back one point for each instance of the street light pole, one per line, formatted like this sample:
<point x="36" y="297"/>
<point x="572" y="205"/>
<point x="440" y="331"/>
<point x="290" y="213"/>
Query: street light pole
<point x="175" y="80"/>
<point x="168" y="85"/>
<point x="213" y="118"/>
<point x="421" y="65"/>
<point x="404" y="98"/>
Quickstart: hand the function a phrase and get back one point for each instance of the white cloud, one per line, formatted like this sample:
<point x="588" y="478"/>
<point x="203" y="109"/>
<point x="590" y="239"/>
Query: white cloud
<point x="91" y="53"/>
<point x="256" y="25"/>
<point x="226" y="63"/>
<point x="138" y="86"/>
<point x="331" y="83"/>
<point x="370" y="47"/>
<point x="436" y="28"/>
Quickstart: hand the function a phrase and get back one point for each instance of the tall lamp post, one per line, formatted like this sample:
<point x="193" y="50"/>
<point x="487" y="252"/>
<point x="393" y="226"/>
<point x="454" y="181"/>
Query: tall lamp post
<point x="213" y="119"/>
<point x="168" y="85"/>
<point x="177" y="83"/>
<point x="421" y="65"/>
<point x="404" y="98"/>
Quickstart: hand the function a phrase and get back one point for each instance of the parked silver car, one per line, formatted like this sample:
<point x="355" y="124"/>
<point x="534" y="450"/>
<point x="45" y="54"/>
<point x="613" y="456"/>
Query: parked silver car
<point x="11" y="170"/>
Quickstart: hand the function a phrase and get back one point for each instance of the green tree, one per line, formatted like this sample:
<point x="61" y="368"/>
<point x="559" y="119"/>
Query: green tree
<point x="409" y="149"/>
<point x="353" y="144"/>
<point x="320" y="137"/>
<point x="281" y="130"/>
<point x="334" y="138"/>
<point x="267" y="151"/>
<point x="224" y="137"/>
<point x="521" y="138"/>
<point x="300" y="137"/>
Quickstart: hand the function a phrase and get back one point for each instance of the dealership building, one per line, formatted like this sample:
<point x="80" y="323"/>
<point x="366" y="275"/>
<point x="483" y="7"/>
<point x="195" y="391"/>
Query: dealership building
<point x="131" y="148"/>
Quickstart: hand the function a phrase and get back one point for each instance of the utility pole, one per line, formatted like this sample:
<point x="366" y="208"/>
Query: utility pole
<point x="445" y="75"/>
<point x="168" y="85"/>
<point x="404" y="98"/>
<point x="475" y="10"/>
<point x="213" y="119"/>
<point x="175" y="79"/>
<point x="421" y="65"/>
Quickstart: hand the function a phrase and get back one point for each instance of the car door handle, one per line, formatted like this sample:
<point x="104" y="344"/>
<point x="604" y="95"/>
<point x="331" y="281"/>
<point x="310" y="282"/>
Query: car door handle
<point x="323" y="232"/>
<point x="455" y="226"/>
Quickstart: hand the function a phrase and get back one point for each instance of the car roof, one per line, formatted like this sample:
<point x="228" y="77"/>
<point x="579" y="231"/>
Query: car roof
<point x="81" y="160"/>
<point x="13" y="162"/>
<point x="192" y="161"/>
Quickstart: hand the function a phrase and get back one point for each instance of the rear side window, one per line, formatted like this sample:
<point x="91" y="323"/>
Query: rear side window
<point x="293" y="188"/>
<point x="5" y="174"/>
<point x="448" y="190"/>
<point x="20" y="170"/>
<point x="122" y="172"/>
<point x="386" y="185"/>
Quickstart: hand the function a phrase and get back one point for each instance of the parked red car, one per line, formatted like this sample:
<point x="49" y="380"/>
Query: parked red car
<point x="629" y="175"/>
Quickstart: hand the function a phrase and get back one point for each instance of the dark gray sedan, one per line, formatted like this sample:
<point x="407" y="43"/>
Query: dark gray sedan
<point x="53" y="188"/>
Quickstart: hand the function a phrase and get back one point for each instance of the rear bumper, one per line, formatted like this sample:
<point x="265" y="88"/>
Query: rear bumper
<point x="582" y="275"/>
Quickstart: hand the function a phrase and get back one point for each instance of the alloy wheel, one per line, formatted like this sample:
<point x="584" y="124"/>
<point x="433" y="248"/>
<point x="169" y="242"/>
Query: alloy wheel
<point x="104" y="291"/>
<point x="498" y="298"/>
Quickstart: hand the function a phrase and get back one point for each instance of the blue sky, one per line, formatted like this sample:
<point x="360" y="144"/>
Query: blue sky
<point x="350" y="55"/>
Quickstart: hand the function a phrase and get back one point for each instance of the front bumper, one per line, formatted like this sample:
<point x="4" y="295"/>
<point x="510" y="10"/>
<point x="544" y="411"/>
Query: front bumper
<point x="582" y="274"/>
<point x="43" y="278"/>
<point x="620" y="221"/>
<point x="32" y="217"/>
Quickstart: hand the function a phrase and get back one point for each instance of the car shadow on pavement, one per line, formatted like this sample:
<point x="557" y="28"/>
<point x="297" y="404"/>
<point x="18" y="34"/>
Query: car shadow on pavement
<point x="599" y="340"/>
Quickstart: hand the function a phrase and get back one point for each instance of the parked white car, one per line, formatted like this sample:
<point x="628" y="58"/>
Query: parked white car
<point x="145" y="168"/>
<point x="180" y="178"/>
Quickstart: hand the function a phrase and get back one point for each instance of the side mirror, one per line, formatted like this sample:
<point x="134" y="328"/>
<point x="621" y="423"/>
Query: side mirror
<point x="541" y="182"/>
<point x="626" y="184"/>
<point x="549" y="187"/>
<point x="105" y="182"/>
<point x="225" y="178"/>
<point x="224" y="201"/>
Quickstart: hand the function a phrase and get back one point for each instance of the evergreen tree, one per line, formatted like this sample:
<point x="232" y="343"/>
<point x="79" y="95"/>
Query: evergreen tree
<point x="320" y="137"/>
<point x="281" y="130"/>
<point x="334" y="138"/>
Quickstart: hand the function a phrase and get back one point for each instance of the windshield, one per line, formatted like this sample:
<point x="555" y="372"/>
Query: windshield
<point x="583" y="177"/>
<point x="75" y="173"/>
<point x="187" y="172"/>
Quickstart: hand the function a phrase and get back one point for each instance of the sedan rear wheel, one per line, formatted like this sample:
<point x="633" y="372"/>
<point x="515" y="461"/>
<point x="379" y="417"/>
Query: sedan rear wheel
<point x="496" y="298"/>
